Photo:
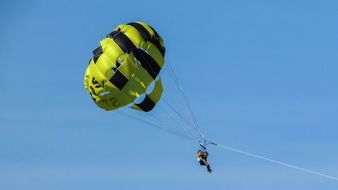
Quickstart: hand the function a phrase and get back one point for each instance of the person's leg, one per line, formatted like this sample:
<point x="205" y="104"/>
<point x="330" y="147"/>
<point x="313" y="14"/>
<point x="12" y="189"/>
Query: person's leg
<point x="209" y="169"/>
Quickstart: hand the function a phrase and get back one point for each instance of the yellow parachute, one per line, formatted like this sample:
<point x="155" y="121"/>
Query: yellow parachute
<point x="125" y="64"/>
<point x="125" y="71"/>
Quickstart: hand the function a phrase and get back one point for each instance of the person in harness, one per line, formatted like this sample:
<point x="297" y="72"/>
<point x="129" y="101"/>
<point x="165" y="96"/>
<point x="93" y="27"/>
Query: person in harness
<point x="202" y="157"/>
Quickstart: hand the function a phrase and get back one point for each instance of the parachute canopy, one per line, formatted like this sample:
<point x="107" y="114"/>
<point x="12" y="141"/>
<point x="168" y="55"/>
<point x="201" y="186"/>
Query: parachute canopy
<point x="127" y="62"/>
<point x="126" y="72"/>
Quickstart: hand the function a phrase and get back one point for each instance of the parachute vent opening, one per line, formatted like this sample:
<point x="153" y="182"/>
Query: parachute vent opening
<point x="139" y="99"/>
<point x="104" y="93"/>
<point x="151" y="87"/>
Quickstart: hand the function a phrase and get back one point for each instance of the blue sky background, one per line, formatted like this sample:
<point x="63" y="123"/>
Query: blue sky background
<point x="260" y="76"/>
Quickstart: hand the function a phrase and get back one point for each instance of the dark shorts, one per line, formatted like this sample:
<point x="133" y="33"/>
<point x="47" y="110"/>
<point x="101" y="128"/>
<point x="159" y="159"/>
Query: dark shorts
<point x="202" y="163"/>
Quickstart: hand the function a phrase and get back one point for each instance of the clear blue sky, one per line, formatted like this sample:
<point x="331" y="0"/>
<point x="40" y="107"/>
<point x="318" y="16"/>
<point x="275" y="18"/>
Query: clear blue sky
<point x="260" y="76"/>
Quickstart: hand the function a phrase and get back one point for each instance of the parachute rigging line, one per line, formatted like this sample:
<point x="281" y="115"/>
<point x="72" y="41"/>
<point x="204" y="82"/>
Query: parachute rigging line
<point x="172" y="108"/>
<point x="178" y="114"/>
<point x="273" y="161"/>
<point x="157" y="125"/>
<point x="165" y="109"/>
<point x="185" y="100"/>
<point x="187" y="105"/>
